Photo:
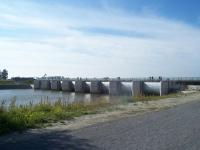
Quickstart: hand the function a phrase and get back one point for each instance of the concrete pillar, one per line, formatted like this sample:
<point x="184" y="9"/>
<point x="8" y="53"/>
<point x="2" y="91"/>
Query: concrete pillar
<point x="67" y="86"/>
<point x="137" y="89"/>
<point x="115" y="87"/>
<point x="56" y="85"/>
<point x="96" y="87"/>
<point x="81" y="87"/>
<point x="45" y="85"/>
<point x="37" y="84"/>
<point x="164" y="89"/>
<point x="174" y="86"/>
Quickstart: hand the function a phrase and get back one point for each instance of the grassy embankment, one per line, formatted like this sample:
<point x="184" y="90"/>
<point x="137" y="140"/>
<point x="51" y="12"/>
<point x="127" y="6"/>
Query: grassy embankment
<point x="6" y="82"/>
<point x="156" y="97"/>
<point x="18" y="118"/>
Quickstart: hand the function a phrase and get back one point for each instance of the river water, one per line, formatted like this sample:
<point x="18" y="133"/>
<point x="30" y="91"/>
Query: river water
<point x="35" y="96"/>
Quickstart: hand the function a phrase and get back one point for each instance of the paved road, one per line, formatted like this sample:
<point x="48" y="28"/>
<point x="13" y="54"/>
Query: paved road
<point x="173" y="129"/>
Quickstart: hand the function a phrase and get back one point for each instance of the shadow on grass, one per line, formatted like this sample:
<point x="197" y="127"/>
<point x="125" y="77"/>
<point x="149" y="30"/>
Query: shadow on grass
<point x="55" y="140"/>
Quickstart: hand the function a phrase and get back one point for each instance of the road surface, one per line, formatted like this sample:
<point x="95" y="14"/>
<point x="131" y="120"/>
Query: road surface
<point x="172" y="129"/>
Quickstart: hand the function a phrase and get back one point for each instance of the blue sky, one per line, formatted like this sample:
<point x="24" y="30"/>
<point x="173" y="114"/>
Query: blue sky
<point x="100" y="38"/>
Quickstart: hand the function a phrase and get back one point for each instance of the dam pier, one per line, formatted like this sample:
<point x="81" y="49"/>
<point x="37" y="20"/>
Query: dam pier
<point x="117" y="86"/>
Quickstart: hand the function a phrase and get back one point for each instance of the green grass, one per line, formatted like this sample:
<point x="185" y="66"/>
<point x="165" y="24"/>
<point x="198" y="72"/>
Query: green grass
<point x="5" y="82"/>
<point x="155" y="97"/>
<point x="18" y="118"/>
<point x="28" y="82"/>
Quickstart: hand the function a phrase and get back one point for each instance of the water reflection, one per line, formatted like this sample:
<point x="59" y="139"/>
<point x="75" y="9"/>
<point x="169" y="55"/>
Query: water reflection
<point x="26" y="96"/>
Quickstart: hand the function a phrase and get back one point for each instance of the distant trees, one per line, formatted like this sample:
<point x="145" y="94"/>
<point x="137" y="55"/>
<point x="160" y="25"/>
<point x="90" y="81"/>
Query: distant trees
<point x="4" y="74"/>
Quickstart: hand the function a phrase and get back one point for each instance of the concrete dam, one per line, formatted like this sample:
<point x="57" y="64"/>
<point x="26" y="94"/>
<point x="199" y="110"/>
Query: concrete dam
<point x="109" y="86"/>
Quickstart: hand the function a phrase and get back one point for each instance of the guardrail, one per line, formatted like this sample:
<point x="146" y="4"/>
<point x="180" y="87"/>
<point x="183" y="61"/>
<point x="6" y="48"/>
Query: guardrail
<point x="155" y="79"/>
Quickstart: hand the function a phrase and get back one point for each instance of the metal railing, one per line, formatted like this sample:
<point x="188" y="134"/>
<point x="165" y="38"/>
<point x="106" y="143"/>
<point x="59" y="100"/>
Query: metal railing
<point x="106" y="79"/>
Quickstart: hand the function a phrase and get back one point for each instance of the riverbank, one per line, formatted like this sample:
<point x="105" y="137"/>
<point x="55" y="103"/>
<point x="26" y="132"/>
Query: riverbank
<point x="19" y="118"/>
<point x="14" y="86"/>
<point x="61" y="116"/>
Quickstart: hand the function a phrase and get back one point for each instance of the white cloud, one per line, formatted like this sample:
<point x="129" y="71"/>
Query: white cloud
<point x="170" y="50"/>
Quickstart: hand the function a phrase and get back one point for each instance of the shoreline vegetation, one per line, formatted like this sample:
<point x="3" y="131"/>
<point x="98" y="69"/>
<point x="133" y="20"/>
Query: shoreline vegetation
<point x="7" y="82"/>
<point x="21" y="117"/>
<point x="12" y="84"/>
<point x="17" y="81"/>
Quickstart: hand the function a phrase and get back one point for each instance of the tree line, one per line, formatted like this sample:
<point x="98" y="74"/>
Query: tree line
<point x="4" y="74"/>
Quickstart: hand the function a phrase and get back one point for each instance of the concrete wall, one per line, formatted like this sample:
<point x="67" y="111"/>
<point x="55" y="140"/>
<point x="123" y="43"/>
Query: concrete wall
<point x="67" y="86"/>
<point x="56" y="85"/>
<point x="115" y="87"/>
<point x="164" y="90"/>
<point x="137" y="89"/>
<point x="37" y="84"/>
<point x="81" y="87"/>
<point x="174" y="86"/>
<point x="45" y="84"/>
<point x="96" y="87"/>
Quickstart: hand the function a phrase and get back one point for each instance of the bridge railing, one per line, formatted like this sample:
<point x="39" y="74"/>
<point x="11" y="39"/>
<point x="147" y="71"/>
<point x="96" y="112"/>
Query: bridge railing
<point x="106" y="79"/>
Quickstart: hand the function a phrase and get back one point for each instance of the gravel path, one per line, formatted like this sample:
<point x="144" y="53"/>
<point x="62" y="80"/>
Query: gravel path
<point x="173" y="129"/>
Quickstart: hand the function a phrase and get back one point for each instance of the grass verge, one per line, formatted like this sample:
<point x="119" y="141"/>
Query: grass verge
<point x="5" y="82"/>
<point x="18" y="118"/>
<point x="155" y="97"/>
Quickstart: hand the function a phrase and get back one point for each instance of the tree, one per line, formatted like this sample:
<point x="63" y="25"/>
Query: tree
<point x="0" y="75"/>
<point x="4" y="74"/>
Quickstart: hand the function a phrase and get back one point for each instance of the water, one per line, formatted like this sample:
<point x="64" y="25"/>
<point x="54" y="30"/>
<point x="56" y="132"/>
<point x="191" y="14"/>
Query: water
<point x="26" y="96"/>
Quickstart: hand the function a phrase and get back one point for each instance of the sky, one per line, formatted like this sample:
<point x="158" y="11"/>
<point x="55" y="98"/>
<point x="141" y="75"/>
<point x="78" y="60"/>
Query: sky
<point x="100" y="38"/>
